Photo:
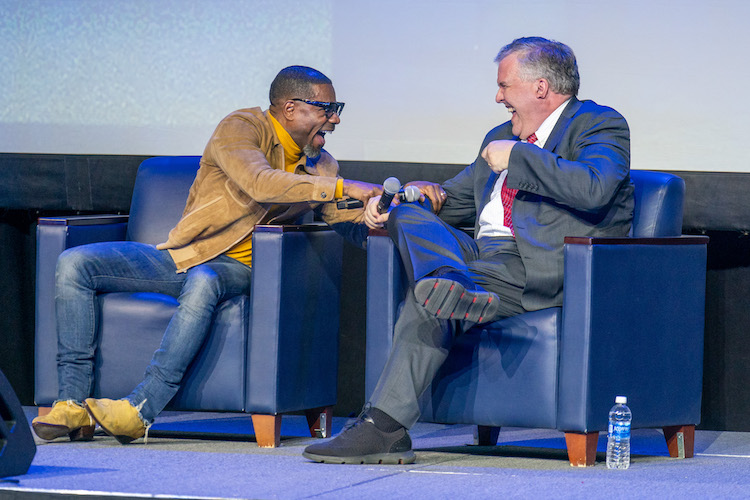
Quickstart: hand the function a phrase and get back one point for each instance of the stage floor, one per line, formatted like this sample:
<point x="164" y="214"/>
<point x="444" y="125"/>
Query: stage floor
<point x="216" y="457"/>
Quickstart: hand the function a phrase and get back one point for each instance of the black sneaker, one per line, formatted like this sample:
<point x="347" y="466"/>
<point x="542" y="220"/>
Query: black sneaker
<point x="363" y="443"/>
<point x="452" y="295"/>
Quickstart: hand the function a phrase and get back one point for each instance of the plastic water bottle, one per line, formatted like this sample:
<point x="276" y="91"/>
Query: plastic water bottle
<point x="618" y="437"/>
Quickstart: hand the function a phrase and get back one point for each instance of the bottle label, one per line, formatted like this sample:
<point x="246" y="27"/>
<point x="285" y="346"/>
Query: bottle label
<point x="619" y="430"/>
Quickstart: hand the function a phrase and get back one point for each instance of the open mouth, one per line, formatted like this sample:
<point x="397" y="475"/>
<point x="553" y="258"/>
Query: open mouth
<point x="320" y="135"/>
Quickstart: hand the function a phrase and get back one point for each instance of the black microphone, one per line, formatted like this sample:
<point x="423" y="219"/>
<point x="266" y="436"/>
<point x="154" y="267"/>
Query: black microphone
<point x="391" y="187"/>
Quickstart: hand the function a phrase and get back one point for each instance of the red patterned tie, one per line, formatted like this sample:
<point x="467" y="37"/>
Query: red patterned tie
<point x="507" y="196"/>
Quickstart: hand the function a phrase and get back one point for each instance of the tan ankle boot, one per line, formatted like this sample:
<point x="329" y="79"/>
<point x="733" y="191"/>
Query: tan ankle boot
<point x="118" y="418"/>
<point x="66" y="418"/>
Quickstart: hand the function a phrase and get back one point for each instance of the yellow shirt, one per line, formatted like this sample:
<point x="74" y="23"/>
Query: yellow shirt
<point x="243" y="251"/>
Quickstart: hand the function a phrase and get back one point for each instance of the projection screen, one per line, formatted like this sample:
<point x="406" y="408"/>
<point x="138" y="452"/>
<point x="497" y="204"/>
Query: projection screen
<point x="154" y="77"/>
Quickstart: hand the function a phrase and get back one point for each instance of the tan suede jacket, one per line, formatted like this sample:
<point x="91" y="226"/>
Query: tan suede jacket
<point x="241" y="182"/>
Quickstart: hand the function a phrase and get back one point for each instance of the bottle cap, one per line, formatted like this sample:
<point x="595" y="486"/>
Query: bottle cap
<point x="621" y="400"/>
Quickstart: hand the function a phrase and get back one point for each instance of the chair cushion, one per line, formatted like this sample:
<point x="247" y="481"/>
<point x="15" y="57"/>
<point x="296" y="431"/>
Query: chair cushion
<point x="658" y="204"/>
<point x="161" y="188"/>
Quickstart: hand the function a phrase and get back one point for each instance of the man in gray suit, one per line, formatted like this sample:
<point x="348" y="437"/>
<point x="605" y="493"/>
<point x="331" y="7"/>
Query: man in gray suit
<point x="560" y="167"/>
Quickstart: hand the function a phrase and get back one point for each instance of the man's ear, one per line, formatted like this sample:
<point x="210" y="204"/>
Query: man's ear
<point x="288" y="110"/>
<point x="542" y="88"/>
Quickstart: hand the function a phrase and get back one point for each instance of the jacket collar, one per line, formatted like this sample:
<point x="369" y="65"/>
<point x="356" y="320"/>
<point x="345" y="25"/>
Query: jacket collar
<point x="278" y="150"/>
<point x="562" y="124"/>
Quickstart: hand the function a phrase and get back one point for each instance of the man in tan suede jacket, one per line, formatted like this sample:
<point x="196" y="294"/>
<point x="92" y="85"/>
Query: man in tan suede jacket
<point x="243" y="182"/>
<point x="258" y="168"/>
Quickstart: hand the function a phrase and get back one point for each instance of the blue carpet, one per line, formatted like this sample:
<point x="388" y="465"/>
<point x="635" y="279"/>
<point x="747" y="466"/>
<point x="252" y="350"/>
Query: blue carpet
<point x="219" y="459"/>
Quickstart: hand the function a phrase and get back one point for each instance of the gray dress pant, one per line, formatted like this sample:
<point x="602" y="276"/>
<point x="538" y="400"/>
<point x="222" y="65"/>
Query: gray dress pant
<point x="420" y="341"/>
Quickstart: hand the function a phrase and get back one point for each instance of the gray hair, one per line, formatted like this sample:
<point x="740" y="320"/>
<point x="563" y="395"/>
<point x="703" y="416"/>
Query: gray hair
<point x="548" y="59"/>
<point x="296" y="82"/>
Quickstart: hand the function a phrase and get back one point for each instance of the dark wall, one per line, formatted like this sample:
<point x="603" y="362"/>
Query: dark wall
<point x="726" y="375"/>
<point x="717" y="206"/>
<point x="16" y="300"/>
<point x="36" y="185"/>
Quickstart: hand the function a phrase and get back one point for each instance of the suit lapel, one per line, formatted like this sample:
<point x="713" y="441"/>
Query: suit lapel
<point x="489" y="186"/>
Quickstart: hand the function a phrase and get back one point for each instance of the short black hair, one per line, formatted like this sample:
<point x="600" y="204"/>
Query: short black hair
<point x="296" y="82"/>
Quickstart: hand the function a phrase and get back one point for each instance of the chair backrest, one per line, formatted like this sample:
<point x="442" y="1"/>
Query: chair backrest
<point x="161" y="189"/>
<point x="659" y="199"/>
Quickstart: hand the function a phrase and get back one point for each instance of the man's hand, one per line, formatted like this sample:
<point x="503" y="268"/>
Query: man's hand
<point x="373" y="219"/>
<point x="433" y="191"/>
<point x="497" y="154"/>
<point x="363" y="191"/>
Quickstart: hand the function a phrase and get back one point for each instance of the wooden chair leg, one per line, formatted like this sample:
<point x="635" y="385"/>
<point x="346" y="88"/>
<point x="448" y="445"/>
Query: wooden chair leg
<point x="43" y="410"/>
<point x="267" y="430"/>
<point x="486" y="435"/>
<point x="680" y="440"/>
<point x="581" y="448"/>
<point x="319" y="421"/>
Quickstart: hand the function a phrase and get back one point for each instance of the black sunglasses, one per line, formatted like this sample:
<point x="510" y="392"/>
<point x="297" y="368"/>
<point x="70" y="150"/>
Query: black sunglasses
<point x="329" y="107"/>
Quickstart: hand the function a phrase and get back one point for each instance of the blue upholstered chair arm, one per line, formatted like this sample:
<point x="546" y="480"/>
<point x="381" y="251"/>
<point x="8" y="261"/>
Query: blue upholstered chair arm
<point x="294" y="318"/>
<point x="54" y="235"/>
<point x="633" y="314"/>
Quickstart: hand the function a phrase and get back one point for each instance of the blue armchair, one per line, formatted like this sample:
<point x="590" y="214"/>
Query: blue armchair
<point x="267" y="354"/>
<point x="631" y="323"/>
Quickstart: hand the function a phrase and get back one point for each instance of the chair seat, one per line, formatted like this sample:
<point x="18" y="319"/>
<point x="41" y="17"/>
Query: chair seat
<point x="139" y="319"/>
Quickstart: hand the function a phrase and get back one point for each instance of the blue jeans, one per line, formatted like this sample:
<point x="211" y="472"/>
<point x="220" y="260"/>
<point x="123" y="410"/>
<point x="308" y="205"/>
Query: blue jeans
<point x="126" y="266"/>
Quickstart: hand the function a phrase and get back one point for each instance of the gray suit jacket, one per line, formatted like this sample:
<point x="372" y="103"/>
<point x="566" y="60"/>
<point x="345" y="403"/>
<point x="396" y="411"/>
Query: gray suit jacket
<point x="578" y="185"/>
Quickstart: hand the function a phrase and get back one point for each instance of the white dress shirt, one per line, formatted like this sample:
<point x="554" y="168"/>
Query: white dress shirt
<point x="492" y="217"/>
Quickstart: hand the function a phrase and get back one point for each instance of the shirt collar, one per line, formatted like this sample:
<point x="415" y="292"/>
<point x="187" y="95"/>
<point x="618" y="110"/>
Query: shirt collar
<point x="292" y="152"/>
<point x="545" y="129"/>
